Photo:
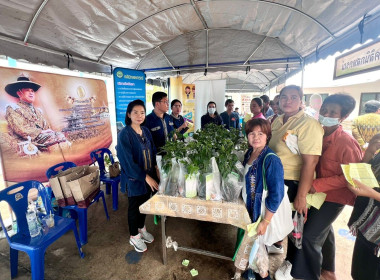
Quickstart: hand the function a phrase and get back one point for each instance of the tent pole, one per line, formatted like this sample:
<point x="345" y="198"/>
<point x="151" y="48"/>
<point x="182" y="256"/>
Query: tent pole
<point x="207" y="48"/>
<point x="167" y="59"/>
<point x="199" y="14"/>
<point x="302" y="72"/>
<point x="34" y="20"/>
<point x="255" y="50"/>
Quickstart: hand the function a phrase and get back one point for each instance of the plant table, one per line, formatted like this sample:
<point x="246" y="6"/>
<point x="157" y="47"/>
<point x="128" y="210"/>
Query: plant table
<point x="211" y="211"/>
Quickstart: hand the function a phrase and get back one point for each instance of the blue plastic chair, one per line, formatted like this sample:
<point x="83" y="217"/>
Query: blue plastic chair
<point x="17" y="197"/>
<point x="98" y="156"/>
<point x="81" y="213"/>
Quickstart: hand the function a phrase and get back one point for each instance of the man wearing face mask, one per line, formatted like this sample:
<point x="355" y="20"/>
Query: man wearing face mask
<point x="339" y="147"/>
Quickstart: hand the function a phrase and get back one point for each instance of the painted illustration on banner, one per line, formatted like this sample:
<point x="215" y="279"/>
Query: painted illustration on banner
<point x="186" y="94"/>
<point x="46" y="119"/>
<point x="129" y="85"/>
<point x="188" y="107"/>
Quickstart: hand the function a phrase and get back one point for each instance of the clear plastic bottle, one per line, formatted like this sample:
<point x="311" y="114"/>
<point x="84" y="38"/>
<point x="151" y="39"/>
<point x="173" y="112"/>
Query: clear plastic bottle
<point x="296" y="236"/>
<point x="14" y="223"/>
<point x="31" y="218"/>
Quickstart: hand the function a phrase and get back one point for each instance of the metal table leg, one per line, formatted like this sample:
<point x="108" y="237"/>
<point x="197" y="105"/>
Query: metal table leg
<point x="163" y="234"/>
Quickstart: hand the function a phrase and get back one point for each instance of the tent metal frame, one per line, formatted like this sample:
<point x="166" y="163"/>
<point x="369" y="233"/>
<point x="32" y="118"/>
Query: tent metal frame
<point x="194" y="4"/>
<point x="327" y="43"/>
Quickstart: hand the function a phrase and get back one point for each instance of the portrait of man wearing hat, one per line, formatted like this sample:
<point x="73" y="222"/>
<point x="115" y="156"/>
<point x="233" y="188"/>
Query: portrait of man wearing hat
<point x="368" y="125"/>
<point x="26" y="123"/>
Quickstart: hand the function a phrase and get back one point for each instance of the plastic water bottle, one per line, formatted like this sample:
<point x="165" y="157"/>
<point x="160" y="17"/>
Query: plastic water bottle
<point x="31" y="218"/>
<point x="14" y="226"/>
<point x="14" y="223"/>
<point x="296" y="237"/>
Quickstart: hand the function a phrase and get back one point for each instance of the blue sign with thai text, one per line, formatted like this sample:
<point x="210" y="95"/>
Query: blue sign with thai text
<point x="129" y="85"/>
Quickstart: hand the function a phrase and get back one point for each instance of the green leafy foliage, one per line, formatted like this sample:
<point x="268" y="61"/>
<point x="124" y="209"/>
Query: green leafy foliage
<point x="107" y="160"/>
<point x="212" y="141"/>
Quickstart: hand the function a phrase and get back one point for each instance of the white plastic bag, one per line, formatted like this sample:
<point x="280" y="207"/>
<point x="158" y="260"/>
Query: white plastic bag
<point x="163" y="182"/>
<point x="240" y="168"/>
<point x="213" y="188"/>
<point x="231" y="187"/>
<point x="209" y="180"/>
<point x="252" y="254"/>
<point x="201" y="188"/>
<point x="281" y="223"/>
<point x="191" y="185"/>
<point x="163" y="175"/>
<point x="181" y="179"/>
<point x="262" y="259"/>
<point x="239" y="154"/>
<point x="159" y="162"/>
<point x="172" y="185"/>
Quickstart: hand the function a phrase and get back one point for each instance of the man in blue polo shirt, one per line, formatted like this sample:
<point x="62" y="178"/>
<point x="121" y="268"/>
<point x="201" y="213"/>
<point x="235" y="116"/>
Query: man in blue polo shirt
<point x="159" y="122"/>
<point x="230" y="118"/>
<point x="267" y="110"/>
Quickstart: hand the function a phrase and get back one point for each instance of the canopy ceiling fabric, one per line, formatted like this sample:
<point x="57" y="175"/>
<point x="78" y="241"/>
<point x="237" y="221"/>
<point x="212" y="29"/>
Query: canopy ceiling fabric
<point x="163" y="37"/>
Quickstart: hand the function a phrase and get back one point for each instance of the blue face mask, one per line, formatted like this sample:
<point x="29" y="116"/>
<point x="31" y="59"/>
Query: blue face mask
<point x="326" y="121"/>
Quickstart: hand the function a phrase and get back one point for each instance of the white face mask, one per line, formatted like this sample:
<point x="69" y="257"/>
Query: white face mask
<point x="211" y="111"/>
<point x="326" y="121"/>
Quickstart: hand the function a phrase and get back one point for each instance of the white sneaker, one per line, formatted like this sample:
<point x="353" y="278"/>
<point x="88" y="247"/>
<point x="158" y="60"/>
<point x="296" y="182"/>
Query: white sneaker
<point x="138" y="243"/>
<point x="283" y="273"/>
<point x="146" y="236"/>
<point x="275" y="249"/>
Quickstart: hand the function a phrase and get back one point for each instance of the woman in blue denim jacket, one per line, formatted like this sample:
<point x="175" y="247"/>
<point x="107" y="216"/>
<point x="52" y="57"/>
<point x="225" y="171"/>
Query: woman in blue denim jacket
<point x="259" y="133"/>
<point x="137" y="156"/>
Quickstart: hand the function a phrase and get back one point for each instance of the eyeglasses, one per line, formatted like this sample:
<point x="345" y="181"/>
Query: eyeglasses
<point x="166" y="102"/>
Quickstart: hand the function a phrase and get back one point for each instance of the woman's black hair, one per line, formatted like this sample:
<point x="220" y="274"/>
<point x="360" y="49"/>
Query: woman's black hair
<point x="211" y="102"/>
<point x="130" y="107"/>
<point x="345" y="101"/>
<point x="259" y="101"/>
<point x="174" y="102"/>
<point x="290" y="87"/>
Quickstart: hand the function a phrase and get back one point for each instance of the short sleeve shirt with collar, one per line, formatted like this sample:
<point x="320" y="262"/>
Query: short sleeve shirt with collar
<point x="310" y="138"/>
<point x="230" y="121"/>
<point x="159" y="128"/>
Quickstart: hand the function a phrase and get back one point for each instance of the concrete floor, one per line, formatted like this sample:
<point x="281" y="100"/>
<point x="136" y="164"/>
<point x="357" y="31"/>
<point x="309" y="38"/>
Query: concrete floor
<point x="108" y="245"/>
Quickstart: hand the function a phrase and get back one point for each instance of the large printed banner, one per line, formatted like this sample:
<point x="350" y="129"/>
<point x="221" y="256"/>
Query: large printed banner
<point x="129" y="85"/>
<point x="245" y="104"/>
<point x="186" y="94"/>
<point x="46" y="119"/>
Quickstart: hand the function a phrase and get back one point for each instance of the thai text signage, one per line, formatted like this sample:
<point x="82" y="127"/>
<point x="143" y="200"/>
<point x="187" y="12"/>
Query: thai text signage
<point x="365" y="59"/>
<point x="129" y="85"/>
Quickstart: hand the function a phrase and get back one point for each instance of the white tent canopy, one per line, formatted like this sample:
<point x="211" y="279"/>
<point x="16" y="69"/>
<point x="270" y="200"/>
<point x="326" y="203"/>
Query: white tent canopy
<point x="253" y="43"/>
